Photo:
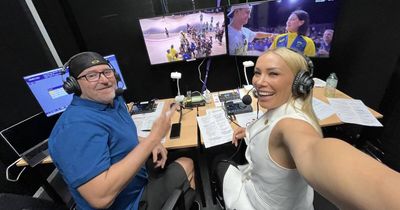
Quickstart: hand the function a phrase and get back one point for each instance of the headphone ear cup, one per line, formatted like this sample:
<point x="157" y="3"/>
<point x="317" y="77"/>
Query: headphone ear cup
<point x="302" y="84"/>
<point x="70" y="85"/>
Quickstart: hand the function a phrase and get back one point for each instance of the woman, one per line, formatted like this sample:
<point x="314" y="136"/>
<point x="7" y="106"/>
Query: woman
<point x="286" y="152"/>
<point x="296" y="37"/>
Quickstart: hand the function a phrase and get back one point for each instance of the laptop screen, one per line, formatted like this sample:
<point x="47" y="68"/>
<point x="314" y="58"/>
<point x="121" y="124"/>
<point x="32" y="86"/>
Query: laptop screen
<point x="26" y="134"/>
<point x="47" y="87"/>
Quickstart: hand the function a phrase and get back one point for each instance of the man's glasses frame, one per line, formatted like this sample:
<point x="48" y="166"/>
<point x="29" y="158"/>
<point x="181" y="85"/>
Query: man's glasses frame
<point x="95" y="76"/>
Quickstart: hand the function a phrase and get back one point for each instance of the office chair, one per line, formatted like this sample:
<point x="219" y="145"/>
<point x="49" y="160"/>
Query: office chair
<point x="176" y="200"/>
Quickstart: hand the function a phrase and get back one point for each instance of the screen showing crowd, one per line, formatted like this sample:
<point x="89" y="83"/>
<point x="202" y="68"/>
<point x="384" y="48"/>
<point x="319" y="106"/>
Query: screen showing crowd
<point x="304" y="25"/>
<point x="184" y="36"/>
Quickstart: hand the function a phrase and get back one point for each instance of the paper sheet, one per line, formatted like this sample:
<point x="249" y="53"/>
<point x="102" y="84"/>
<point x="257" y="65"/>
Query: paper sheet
<point x="246" y="119"/>
<point x="215" y="128"/>
<point x="353" y="111"/>
<point x="322" y="109"/>
<point x="145" y="121"/>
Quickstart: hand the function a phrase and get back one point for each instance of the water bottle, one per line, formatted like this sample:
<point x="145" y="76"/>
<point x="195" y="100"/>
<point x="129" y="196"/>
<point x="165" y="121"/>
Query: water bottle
<point x="330" y="87"/>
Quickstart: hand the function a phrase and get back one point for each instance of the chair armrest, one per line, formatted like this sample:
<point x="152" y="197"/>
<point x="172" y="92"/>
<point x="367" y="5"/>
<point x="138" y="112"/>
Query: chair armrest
<point x="173" y="199"/>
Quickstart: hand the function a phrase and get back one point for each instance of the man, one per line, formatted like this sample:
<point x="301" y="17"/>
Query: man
<point x="325" y="47"/>
<point x="95" y="146"/>
<point x="240" y="36"/>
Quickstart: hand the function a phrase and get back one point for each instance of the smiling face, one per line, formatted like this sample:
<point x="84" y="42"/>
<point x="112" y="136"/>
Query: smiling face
<point x="293" y="23"/>
<point x="273" y="81"/>
<point x="103" y="90"/>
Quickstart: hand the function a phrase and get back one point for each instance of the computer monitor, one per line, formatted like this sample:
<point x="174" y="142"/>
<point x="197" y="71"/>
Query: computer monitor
<point x="268" y="24"/>
<point x="184" y="36"/>
<point x="47" y="87"/>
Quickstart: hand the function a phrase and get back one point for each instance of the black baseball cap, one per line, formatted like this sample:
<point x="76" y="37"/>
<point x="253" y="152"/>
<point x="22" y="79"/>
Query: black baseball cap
<point x="79" y="62"/>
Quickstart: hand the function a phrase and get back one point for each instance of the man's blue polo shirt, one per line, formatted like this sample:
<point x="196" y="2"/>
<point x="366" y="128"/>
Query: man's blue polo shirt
<point x="88" y="138"/>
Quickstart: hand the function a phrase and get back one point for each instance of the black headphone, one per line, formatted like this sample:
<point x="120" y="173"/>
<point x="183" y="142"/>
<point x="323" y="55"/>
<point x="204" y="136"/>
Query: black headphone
<point x="71" y="85"/>
<point x="303" y="81"/>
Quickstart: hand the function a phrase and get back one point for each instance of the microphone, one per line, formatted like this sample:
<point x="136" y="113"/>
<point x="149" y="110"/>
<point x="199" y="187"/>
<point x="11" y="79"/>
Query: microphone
<point x="247" y="98"/>
<point x="119" y="91"/>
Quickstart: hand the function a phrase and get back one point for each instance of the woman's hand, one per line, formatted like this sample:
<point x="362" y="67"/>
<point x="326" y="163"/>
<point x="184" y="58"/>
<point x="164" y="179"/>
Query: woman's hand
<point x="239" y="133"/>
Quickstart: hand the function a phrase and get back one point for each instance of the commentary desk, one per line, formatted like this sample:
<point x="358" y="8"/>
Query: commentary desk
<point x="189" y="131"/>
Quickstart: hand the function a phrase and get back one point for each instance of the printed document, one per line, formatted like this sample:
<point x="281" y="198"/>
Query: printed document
<point x="353" y="111"/>
<point x="322" y="109"/>
<point x="215" y="128"/>
<point x="145" y="121"/>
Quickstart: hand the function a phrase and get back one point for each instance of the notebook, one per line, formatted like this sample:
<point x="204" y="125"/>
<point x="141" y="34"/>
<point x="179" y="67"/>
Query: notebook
<point x="29" y="138"/>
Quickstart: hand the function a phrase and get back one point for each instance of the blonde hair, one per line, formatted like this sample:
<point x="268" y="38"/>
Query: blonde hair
<point x="296" y="63"/>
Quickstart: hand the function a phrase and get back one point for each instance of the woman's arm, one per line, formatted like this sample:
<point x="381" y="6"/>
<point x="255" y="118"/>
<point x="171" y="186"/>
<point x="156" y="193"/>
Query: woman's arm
<point x="343" y="174"/>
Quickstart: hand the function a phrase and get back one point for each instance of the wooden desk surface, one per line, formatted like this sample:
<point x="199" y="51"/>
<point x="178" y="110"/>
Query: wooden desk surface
<point x="188" y="135"/>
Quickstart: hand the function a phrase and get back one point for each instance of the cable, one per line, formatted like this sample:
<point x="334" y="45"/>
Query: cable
<point x="8" y="168"/>
<point x="227" y="116"/>
<point x="198" y="68"/>
<point x="180" y="113"/>
<point x="204" y="88"/>
<point x="177" y="84"/>
<point x="237" y="150"/>
<point x="238" y="72"/>
<point x="245" y="75"/>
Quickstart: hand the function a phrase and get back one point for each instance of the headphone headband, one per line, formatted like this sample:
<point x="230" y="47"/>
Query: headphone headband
<point x="70" y="84"/>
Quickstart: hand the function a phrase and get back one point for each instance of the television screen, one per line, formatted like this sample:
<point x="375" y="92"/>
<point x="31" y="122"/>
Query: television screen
<point x="184" y="36"/>
<point x="47" y="87"/>
<point x="304" y="25"/>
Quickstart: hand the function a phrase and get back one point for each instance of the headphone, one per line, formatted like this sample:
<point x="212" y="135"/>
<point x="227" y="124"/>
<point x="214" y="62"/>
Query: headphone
<point x="303" y="81"/>
<point x="71" y="85"/>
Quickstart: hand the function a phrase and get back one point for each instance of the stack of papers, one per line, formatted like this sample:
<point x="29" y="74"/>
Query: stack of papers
<point x="322" y="109"/>
<point x="215" y="128"/>
<point x="353" y="111"/>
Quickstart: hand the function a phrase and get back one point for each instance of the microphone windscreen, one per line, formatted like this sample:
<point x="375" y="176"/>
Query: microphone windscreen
<point x="247" y="99"/>
<point x="119" y="91"/>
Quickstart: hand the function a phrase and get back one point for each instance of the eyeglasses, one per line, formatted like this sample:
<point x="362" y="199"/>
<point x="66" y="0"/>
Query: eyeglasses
<point x="95" y="76"/>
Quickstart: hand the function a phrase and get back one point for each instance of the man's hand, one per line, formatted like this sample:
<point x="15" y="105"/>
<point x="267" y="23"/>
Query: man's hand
<point x="163" y="123"/>
<point x="159" y="150"/>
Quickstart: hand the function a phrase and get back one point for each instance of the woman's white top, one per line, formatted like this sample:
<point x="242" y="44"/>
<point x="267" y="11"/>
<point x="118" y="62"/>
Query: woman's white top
<point x="263" y="183"/>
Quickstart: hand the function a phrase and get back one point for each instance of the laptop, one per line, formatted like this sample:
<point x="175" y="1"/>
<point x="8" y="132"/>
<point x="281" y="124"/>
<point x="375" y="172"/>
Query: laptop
<point x="29" y="138"/>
